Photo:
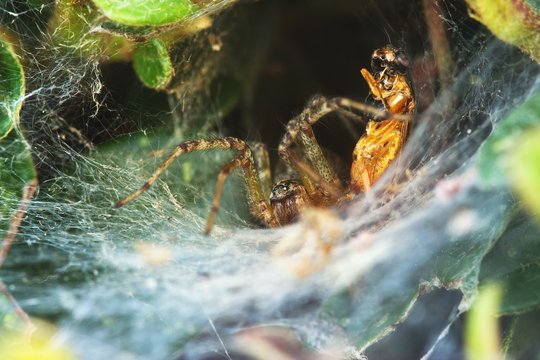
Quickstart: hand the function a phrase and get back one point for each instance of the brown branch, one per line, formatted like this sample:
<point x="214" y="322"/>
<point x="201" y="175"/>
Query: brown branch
<point x="28" y="193"/>
<point x="30" y="327"/>
<point x="439" y="42"/>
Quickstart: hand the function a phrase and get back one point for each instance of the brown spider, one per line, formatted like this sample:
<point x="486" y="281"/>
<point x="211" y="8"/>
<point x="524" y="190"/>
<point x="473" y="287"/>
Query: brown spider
<point x="318" y="184"/>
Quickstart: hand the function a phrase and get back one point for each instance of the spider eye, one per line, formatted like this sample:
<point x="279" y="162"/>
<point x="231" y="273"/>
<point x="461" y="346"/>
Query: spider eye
<point x="283" y="190"/>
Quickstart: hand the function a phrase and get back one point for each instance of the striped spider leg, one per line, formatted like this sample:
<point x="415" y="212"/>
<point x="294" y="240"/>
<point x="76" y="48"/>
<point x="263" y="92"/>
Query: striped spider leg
<point x="281" y="206"/>
<point x="259" y="205"/>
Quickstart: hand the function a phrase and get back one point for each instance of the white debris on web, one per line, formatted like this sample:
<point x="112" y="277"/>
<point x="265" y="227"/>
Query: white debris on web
<point x="144" y="282"/>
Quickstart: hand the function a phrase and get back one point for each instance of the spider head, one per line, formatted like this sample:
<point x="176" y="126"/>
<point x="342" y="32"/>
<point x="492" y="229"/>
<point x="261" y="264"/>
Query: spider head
<point x="390" y="60"/>
<point x="288" y="198"/>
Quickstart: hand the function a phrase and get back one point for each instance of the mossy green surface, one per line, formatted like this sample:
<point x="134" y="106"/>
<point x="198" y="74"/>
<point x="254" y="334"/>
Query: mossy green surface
<point x="500" y="149"/>
<point x="152" y="64"/>
<point x="515" y="22"/>
<point x="482" y="330"/>
<point x="16" y="167"/>
<point x="141" y="13"/>
<point x="524" y="165"/>
<point x="11" y="86"/>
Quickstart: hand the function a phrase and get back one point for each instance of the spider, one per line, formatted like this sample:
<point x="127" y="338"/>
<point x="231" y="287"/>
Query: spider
<point x="317" y="183"/>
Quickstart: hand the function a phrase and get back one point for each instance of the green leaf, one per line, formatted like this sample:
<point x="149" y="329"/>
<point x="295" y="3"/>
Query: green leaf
<point x="493" y="156"/>
<point x="141" y="13"/>
<point x="167" y="33"/>
<point x="16" y="167"/>
<point x="513" y="263"/>
<point x="367" y="326"/>
<point x="72" y="27"/>
<point x="525" y="170"/>
<point x="522" y="336"/>
<point x="510" y="157"/>
<point x="152" y="64"/>
<point x="11" y="87"/>
<point x="522" y="289"/>
<point x="515" y="22"/>
<point x="482" y="329"/>
<point x="444" y="247"/>
<point x="472" y="247"/>
<point x="16" y="344"/>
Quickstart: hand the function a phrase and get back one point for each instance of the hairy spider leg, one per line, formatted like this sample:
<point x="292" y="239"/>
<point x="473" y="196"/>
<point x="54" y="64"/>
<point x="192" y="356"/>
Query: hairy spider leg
<point x="262" y="162"/>
<point x="258" y="204"/>
<point x="299" y="131"/>
<point x="313" y="175"/>
<point x="220" y="183"/>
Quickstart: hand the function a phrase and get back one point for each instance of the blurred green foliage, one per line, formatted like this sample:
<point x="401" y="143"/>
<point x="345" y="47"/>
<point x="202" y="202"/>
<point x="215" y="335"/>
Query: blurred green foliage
<point x="16" y="167"/>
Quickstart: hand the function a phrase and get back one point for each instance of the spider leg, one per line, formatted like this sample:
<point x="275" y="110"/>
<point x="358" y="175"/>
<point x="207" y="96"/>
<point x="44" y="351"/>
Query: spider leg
<point x="223" y="174"/>
<point x="308" y="170"/>
<point x="258" y="203"/>
<point x="262" y="162"/>
<point x="299" y="131"/>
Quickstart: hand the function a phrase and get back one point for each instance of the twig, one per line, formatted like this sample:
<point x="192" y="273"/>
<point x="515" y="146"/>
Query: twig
<point x="439" y="42"/>
<point x="30" y="327"/>
<point x="28" y="193"/>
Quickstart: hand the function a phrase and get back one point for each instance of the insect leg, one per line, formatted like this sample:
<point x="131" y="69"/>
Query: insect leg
<point x="369" y="109"/>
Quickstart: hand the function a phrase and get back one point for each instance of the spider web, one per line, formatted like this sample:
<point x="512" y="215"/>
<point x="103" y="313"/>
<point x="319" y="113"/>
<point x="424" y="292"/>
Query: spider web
<point x="143" y="282"/>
